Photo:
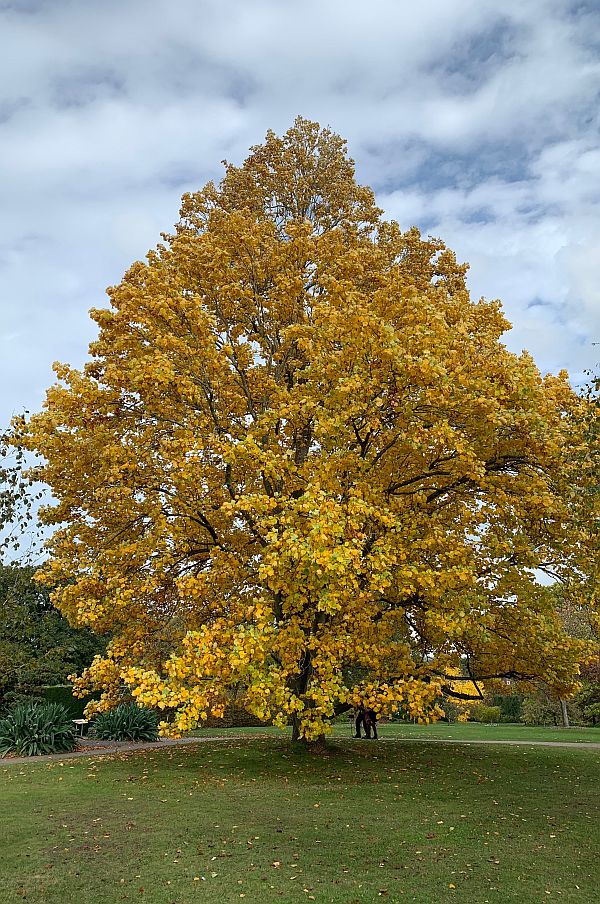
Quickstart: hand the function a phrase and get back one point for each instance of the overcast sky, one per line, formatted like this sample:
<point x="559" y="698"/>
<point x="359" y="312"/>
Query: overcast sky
<point x="477" y="121"/>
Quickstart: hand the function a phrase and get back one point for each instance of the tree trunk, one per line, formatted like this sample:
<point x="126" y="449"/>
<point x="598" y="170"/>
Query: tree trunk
<point x="317" y="745"/>
<point x="295" y="728"/>
<point x="565" y="714"/>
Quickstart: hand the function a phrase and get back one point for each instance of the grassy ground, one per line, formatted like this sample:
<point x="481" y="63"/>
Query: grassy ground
<point x="470" y="731"/>
<point x="474" y="731"/>
<point x="253" y="820"/>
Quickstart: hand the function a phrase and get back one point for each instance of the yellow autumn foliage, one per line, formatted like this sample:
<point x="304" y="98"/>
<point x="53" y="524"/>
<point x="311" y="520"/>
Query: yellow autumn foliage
<point x="302" y="467"/>
<point x="462" y="688"/>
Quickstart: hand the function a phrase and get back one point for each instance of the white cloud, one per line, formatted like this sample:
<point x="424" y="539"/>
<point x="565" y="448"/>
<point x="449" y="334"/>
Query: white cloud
<point x="534" y="243"/>
<point x="476" y="120"/>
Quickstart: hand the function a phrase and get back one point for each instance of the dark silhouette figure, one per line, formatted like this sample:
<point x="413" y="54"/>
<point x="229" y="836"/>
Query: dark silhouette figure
<point x="367" y="719"/>
<point x="360" y="720"/>
<point x="370" y="723"/>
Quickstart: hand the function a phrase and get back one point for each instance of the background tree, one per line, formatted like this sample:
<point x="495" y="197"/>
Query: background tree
<point x="300" y="452"/>
<point x="15" y="496"/>
<point x="588" y="696"/>
<point x="37" y="645"/>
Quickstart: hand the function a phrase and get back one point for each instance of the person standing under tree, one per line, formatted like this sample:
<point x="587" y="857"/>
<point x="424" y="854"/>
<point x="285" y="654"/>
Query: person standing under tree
<point x="360" y="720"/>
<point x="370" y="723"/>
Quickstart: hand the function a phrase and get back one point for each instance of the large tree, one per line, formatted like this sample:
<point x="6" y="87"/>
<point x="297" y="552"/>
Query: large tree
<point x="302" y="467"/>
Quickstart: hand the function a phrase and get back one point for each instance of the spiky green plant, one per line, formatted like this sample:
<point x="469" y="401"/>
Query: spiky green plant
<point x="127" y="722"/>
<point x="34" y="729"/>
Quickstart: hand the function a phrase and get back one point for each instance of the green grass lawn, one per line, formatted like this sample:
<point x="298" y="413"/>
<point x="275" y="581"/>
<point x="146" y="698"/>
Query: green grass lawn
<point x="253" y="820"/>
<point x="474" y="731"/>
<point x="470" y="731"/>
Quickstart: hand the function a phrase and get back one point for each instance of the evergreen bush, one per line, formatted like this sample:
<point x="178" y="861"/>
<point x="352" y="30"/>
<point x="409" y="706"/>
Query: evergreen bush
<point x="34" y="729"/>
<point x="127" y="722"/>
<point x="511" y="706"/>
<point x="63" y="694"/>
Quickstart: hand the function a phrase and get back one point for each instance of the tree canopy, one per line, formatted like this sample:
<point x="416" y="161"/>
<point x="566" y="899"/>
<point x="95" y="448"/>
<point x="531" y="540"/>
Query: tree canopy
<point x="37" y="645"/>
<point x="302" y="468"/>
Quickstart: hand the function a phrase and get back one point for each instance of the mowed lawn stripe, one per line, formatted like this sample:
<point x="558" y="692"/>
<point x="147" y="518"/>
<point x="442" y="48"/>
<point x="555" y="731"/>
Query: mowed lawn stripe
<point x="256" y="821"/>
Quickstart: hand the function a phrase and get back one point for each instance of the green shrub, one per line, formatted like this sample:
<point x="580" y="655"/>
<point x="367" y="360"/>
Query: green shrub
<point x="33" y="729"/>
<point x="511" y="706"/>
<point x="63" y="694"/>
<point x="481" y="712"/>
<point x="237" y="717"/>
<point x="127" y="722"/>
<point x="592" y="712"/>
<point x="15" y="698"/>
<point x="451" y="710"/>
<point x="47" y="693"/>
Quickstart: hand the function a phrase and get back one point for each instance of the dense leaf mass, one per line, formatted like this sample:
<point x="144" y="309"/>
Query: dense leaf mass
<point x="37" y="645"/>
<point x="127" y="722"/>
<point x="302" y="468"/>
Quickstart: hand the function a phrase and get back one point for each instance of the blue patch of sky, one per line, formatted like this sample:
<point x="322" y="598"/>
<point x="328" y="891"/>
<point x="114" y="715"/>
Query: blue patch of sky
<point x="404" y="164"/>
<point x="21" y="245"/>
<point x="27" y="6"/>
<point x="10" y="107"/>
<point x="581" y="9"/>
<point x="181" y="178"/>
<point x="188" y="71"/>
<point x="479" y="215"/>
<point x="34" y="7"/>
<point x="583" y="115"/>
<point x="81" y="86"/>
<point x="240" y="87"/>
<point x="585" y="15"/>
<point x="538" y="302"/>
<point x="476" y="58"/>
<point x="558" y="314"/>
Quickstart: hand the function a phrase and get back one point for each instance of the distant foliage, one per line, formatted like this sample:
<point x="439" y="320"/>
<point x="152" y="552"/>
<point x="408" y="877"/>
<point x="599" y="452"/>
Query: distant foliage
<point x="38" y="647"/>
<point x="16" y="495"/>
<point x="592" y="713"/>
<point x="63" y="694"/>
<point x="541" y="711"/>
<point x="127" y="722"/>
<point x="451" y="710"/>
<point x="544" y="709"/>
<point x="14" y="698"/>
<point x="34" y="729"/>
<point x="481" y="712"/>
<point x="511" y="706"/>
<point x="238" y="717"/>
<point x="588" y="698"/>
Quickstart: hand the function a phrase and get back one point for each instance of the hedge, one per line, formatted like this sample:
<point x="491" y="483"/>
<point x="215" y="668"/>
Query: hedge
<point x="63" y="694"/>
